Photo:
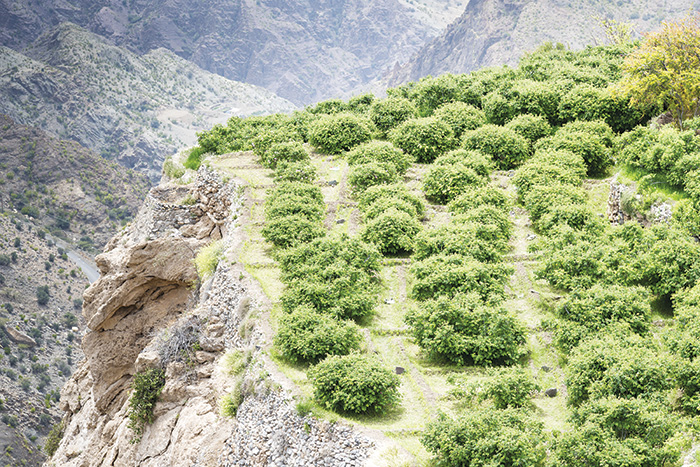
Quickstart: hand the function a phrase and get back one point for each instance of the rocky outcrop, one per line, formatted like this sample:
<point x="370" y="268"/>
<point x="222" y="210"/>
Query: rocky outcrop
<point x="148" y="311"/>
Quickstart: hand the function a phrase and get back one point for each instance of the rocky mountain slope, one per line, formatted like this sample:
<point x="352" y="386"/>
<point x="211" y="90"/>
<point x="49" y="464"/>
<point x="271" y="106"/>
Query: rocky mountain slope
<point x="64" y="187"/>
<point x="135" y="109"/>
<point x="302" y="50"/>
<point x="51" y="189"/>
<point x="497" y="32"/>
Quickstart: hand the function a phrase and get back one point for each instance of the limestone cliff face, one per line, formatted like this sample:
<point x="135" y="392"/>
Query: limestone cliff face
<point x="145" y="312"/>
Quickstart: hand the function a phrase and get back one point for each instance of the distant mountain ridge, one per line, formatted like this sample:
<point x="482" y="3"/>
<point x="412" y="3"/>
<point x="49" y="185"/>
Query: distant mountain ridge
<point x="135" y="109"/>
<point x="498" y="32"/>
<point x="303" y="50"/>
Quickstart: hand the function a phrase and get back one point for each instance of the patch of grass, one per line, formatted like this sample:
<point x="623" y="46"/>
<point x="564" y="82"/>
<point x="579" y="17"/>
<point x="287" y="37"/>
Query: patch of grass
<point x="229" y="404"/>
<point x="650" y="183"/>
<point x="234" y="362"/>
<point x="208" y="258"/>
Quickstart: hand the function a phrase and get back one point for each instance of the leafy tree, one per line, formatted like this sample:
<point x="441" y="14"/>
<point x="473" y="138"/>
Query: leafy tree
<point x="445" y="182"/>
<point x="387" y="114"/>
<point x="476" y="196"/>
<point x="460" y="116"/>
<point x="507" y="148"/>
<point x="423" y="138"/>
<point x="355" y="383"/>
<point x="290" y="151"/>
<point x="486" y="438"/>
<point x="382" y="152"/>
<point x="666" y="68"/>
<point x="398" y="191"/>
<point x="462" y="330"/>
<point x="393" y="232"/>
<point x="369" y="174"/>
<point x="308" y="336"/>
<point x="462" y="238"/>
<point x="334" y="134"/>
<point x="530" y="127"/>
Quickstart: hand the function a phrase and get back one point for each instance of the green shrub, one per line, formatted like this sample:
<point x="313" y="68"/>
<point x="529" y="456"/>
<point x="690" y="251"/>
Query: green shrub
<point x="308" y="336"/>
<point x="423" y="138"/>
<point x="461" y="330"/>
<point x="194" y="158"/>
<point x="616" y="364"/>
<point x="486" y="215"/>
<point x="266" y="138"/>
<point x="507" y="148"/>
<point x="383" y="204"/>
<point x="460" y="116"/>
<point x="171" y="170"/>
<point x="329" y="106"/>
<point x="577" y="216"/>
<point x="474" y="197"/>
<point x="235" y="362"/>
<point x="354" y="384"/>
<point x="284" y="232"/>
<point x="146" y="389"/>
<point x="382" y="152"/>
<point x="42" y="295"/>
<point x="509" y="388"/>
<point x="334" y="134"/>
<point x="361" y="104"/>
<point x="443" y="183"/>
<point x="387" y="114"/>
<point x="452" y="274"/>
<point x="208" y="258"/>
<point x="593" y="143"/>
<point x="530" y="127"/>
<point x="229" y="404"/>
<point x="689" y="383"/>
<point x="498" y="109"/>
<point x="346" y="296"/>
<point x="459" y="238"/>
<point x="592" y="309"/>
<point x="291" y="151"/>
<point x="54" y="439"/>
<point x="550" y="167"/>
<point x="291" y="205"/>
<point x="541" y="199"/>
<point x="622" y="432"/>
<point x="475" y="160"/>
<point x="393" y="232"/>
<point x="398" y="191"/>
<point x="370" y="174"/>
<point x="486" y="438"/>
<point x="301" y="171"/>
<point x="306" y="190"/>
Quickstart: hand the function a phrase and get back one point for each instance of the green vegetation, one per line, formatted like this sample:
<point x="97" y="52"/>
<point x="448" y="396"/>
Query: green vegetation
<point x="208" y="258"/>
<point x="146" y="389"/>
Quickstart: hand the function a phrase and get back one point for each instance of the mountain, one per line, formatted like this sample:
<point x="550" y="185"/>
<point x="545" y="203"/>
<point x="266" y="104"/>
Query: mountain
<point x="497" y="32"/>
<point x="303" y="50"/>
<point x="135" y="109"/>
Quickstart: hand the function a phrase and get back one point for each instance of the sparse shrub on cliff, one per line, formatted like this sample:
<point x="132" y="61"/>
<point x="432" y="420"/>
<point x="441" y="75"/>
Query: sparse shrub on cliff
<point x="208" y="258"/>
<point x="306" y="335"/>
<point x="42" y="295"/>
<point x="389" y="113"/>
<point x="53" y="439"/>
<point x="355" y="383"/>
<point x="423" y="138"/>
<point x="235" y="361"/>
<point x="335" y="134"/>
<point x="229" y="404"/>
<point x="146" y="389"/>
<point x="194" y="159"/>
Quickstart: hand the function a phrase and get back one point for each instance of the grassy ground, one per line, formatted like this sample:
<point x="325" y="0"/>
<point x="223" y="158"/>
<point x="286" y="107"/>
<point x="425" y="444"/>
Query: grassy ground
<point x="425" y="387"/>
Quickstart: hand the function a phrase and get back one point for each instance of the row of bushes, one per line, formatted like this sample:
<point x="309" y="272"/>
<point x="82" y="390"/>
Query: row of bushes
<point x="617" y="375"/>
<point x="329" y="282"/>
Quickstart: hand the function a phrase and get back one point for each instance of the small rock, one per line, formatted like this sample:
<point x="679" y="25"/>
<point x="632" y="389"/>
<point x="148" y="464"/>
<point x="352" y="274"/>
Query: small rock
<point x="340" y="221"/>
<point x="389" y="301"/>
<point x="534" y="291"/>
<point x="332" y="182"/>
<point x="551" y="392"/>
<point x="531" y="237"/>
<point x="400" y="370"/>
<point x="546" y="369"/>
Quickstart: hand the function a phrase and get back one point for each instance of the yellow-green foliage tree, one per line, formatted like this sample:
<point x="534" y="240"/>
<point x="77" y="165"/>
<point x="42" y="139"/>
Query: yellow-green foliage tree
<point x="666" y="69"/>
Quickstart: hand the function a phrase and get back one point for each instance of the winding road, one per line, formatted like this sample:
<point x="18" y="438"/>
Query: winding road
<point x="88" y="267"/>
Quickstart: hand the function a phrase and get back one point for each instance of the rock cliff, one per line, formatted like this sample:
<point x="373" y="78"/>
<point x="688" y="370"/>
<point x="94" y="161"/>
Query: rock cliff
<point x="149" y="310"/>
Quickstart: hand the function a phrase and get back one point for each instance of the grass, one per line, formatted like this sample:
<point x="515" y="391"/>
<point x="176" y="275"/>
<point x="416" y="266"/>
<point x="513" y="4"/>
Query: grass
<point x="649" y="183"/>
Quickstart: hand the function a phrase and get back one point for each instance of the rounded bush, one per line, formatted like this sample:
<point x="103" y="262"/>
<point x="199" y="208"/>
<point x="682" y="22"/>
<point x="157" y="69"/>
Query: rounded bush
<point x="490" y="215"/>
<point x="399" y="191"/>
<point x="530" y="127"/>
<point x="461" y="239"/>
<point x="266" y="138"/>
<point x="507" y="148"/>
<point x="355" y="384"/>
<point x="487" y="438"/>
<point x="473" y="197"/>
<point x="290" y="205"/>
<point x="423" y="138"/>
<point x="288" y="231"/>
<point x="591" y="140"/>
<point x="498" y="109"/>
<point x="343" y="295"/>
<point x="334" y="134"/>
<point x="301" y="171"/>
<point x="550" y="167"/>
<point x="383" y="204"/>
<point x="292" y="151"/>
<point x="479" y="162"/>
<point x="393" y="232"/>
<point x="389" y="113"/>
<point x="443" y="183"/>
<point x="510" y="388"/>
<point x="370" y="174"/>
<point x="461" y="330"/>
<point x="382" y="152"/>
<point x="306" y="335"/>
<point x="541" y="199"/>
<point x="460" y="116"/>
